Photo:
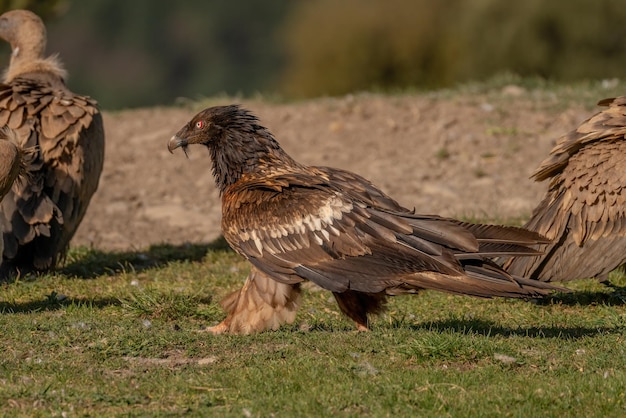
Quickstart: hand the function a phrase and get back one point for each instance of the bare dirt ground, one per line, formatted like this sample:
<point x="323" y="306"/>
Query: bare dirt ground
<point x="462" y="156"/>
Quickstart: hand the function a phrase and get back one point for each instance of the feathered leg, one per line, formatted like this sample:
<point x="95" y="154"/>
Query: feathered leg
<point x="261" y="304"/>
<point x="357" y="305"/>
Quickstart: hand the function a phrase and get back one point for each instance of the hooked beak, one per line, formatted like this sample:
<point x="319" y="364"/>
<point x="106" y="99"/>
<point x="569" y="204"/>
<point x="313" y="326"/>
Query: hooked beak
<point x="176" y="142"/>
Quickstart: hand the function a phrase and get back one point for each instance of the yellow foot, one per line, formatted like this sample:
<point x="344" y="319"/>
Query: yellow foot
<point x="220" y="328"/>
<point x="362" y="328"/>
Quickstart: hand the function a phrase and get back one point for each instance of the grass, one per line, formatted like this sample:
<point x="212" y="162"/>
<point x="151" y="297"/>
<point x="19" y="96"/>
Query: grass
<point x="122" y="334"/>
<point x="442" y="154"/>
<point x="550" y="95"/>
<point x="547" y="95"/>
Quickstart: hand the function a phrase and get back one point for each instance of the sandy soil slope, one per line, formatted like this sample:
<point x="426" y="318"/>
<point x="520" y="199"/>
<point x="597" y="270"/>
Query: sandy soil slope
<point x="462" y="156"/>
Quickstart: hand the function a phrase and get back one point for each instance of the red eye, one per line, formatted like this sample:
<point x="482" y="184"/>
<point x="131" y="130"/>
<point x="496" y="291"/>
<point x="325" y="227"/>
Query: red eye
<point x="200" y="124"/>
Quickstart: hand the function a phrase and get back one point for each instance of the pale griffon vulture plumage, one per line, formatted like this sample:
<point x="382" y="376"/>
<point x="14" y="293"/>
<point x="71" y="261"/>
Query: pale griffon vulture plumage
<point x="583" y="210"/>
<point x="40" y="215"/>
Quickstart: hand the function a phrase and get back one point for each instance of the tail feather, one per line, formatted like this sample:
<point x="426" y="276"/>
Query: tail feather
<point x="498" y="250"/>
<point x="504" y="234"/>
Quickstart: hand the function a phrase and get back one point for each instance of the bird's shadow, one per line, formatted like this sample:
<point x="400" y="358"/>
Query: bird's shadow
<point x="616" y="297"/>
<point x="488" y="328"/>
<point x="474" y="327"/>
<point x="54" y="302"/>
<point x="612" y="295"/>
<point x="91" y="263"/>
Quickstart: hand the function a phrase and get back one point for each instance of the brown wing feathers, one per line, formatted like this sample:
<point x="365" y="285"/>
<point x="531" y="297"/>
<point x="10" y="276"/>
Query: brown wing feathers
<point x="363" y="248"/>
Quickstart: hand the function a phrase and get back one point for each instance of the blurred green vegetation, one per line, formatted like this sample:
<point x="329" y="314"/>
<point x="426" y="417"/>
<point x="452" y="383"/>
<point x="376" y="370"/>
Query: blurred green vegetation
<point x="429" y="44"/>
<point x="45" y="8"/>
<point x="147" y="52"/>
<point x="339" y="47"/>
<point x="151" y="52"/>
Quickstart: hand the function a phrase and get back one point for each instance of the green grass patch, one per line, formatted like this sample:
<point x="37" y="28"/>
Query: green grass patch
<point x="123" y="334"/>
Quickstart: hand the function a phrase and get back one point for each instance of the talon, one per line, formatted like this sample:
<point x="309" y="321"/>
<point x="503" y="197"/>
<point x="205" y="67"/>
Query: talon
<point x="362" y="328"/>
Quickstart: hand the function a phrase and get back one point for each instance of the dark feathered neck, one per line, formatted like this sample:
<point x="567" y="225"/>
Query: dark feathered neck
<point x="245" y="148"/>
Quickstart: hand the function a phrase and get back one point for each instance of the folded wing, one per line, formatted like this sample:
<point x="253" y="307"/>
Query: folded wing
<point x="308" y="226"/>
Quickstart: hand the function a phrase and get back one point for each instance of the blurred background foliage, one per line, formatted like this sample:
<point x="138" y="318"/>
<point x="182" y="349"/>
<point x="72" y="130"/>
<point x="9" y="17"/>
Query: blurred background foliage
<point x="151" y="52"/>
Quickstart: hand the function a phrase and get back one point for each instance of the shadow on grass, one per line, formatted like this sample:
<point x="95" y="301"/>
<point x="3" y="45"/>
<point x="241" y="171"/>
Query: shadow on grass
<point x="89" y="264"/>
<point x="54" y="302"/>
<point x="613" y="295"/>
<point x="474" y="327"/>
<point x="487" y="328"/>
